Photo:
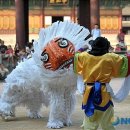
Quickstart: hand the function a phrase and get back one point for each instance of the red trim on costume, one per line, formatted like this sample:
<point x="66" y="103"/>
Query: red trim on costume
<point x="128" y="56"/>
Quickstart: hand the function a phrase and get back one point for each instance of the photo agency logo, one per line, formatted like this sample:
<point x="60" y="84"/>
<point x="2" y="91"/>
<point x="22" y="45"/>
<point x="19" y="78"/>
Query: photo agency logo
<point x="120" y="121"/>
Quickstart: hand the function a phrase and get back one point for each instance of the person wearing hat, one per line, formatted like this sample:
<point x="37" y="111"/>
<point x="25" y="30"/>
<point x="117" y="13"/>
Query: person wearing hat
<point x="97" y="67"/>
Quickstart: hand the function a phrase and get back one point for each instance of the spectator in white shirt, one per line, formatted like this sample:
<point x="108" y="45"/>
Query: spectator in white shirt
<point x="96" y="32"/>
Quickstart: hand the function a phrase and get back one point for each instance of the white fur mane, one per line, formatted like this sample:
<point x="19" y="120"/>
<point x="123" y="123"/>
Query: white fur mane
<point x="68" y="30"/>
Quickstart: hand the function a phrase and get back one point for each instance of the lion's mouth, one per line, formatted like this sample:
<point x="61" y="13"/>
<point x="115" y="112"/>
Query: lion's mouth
<point x="66" y="64"/>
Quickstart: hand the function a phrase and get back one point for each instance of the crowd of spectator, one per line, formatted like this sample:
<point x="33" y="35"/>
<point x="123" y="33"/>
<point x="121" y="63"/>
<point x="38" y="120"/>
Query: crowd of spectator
<point x="9" y="57"/>
<point x="121" y="46"/>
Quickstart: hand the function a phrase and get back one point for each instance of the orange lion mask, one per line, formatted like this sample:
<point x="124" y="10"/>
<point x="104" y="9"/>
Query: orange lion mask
<point x="58" y="54"/>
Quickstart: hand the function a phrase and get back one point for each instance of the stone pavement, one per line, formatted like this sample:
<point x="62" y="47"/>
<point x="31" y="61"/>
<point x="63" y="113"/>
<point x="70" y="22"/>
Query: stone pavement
<point x="21" y="122"/>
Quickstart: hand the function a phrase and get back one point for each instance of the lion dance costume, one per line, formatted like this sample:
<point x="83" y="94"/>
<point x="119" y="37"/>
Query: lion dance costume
<point x="47" y="77"/>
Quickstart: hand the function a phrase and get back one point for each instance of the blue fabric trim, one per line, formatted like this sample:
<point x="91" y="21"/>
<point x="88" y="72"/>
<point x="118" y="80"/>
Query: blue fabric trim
<point x="82" y="49"/>
<point x="97" y="93"/>
<point x="95" y="97"/>
<point x="105" y="107"/>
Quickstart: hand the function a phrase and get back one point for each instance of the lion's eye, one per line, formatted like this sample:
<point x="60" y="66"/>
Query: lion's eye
<point x="45" y="57"/>
<point x="63" y="43"/>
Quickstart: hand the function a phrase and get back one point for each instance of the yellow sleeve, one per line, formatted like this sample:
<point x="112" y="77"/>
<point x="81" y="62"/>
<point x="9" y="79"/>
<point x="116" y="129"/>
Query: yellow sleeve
<point x="78" y="63"/>
<point x="119" y="65"/>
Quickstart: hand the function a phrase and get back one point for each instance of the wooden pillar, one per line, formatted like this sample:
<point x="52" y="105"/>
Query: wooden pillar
<point x="73" y="15"/>
<point x="120" y="20"/>
<point x="42" y="14"/>
<point x="95" y="12"/>
<point x="84" y="13"/>
<point x="22" y="27"/>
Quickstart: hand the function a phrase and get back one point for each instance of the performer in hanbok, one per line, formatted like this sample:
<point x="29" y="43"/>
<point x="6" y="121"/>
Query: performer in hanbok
<point x="96" y="68"/>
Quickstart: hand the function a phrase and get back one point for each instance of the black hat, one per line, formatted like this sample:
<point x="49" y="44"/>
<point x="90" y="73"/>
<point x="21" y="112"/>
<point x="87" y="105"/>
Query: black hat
<point x="100" y="46"/>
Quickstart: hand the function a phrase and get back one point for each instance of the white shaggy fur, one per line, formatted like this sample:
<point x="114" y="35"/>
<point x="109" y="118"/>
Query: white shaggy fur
<point x="32" y="85"/>
<point x="25" y="88"/>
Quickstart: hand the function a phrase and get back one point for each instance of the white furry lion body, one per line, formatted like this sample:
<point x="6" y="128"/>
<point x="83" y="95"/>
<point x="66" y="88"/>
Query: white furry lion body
<point x="33" y="85"/>
<point x="23" y="87"/>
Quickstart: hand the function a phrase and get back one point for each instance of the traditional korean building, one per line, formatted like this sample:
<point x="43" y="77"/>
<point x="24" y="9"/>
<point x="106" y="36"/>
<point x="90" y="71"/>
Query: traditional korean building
<point x="43" y="12"/>
<point x="113" y="14"/>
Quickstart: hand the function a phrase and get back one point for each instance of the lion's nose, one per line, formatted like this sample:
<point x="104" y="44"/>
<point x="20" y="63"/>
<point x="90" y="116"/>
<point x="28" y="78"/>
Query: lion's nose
<point x="70" y="49"/>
